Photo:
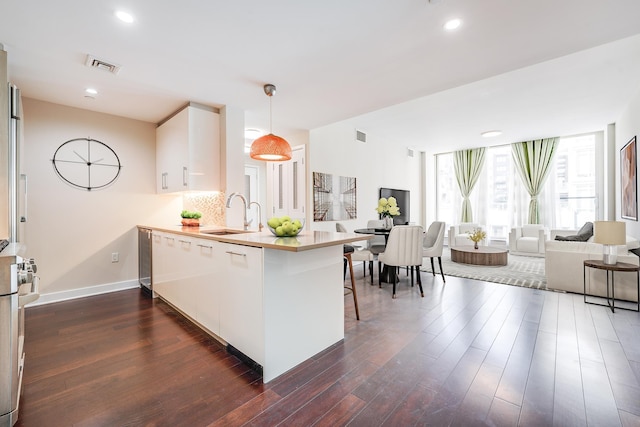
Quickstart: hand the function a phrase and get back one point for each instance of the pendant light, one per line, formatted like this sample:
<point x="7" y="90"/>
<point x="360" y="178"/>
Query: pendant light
<point x="270" y="148"/>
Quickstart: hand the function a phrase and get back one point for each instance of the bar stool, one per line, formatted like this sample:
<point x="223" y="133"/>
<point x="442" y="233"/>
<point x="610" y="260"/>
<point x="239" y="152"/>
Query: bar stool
<point x="347" y="251"/>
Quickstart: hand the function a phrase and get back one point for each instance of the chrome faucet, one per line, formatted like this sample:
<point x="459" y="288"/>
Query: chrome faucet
<point x="260" y="226"/>
<point x="244" y="201"/>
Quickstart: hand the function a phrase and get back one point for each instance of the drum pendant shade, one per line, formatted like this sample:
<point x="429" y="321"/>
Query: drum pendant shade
<point x="270" y="148"/>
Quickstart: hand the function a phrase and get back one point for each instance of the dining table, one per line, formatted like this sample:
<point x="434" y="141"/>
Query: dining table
<point x="377" y="231"/>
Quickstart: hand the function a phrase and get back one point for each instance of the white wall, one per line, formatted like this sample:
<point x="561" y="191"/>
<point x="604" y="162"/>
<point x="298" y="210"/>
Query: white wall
<point x="71" y="232"/>
<point x="627" y="126"/>
<point x="376" y="163"/>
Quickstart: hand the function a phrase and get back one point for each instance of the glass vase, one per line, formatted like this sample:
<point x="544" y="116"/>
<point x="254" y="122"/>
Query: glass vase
<point x="388" y="222"/>
<point x="475" y="245"/>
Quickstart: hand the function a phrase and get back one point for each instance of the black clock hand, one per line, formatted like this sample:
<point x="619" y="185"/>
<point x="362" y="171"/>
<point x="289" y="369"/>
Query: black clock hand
<point x="83" y="159"/>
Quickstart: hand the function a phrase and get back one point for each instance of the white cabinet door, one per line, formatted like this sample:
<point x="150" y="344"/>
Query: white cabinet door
<point x="186" y="282"/>
<point x="203" y="169"/>
<point x="174" y="263"/>
<point x="241" y="311"/>
<point x="163" y="274"/>
<point x="210" y="268"/>
<point x="188" y="151"/>
<point x="172" y="153"/>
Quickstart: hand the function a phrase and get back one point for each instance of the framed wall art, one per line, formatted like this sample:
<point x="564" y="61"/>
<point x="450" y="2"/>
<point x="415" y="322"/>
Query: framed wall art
<point x="629" y="181"/>
<point x="334" y="197"/>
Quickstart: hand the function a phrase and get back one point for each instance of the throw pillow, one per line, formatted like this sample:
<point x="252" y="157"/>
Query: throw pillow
<point x="583" y="234"/>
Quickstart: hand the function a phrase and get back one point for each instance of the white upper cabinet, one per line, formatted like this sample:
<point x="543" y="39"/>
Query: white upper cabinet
<point x="188" y="151"/>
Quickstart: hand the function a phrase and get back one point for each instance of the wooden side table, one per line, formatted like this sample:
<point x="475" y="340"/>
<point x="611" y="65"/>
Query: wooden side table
<point x="620" y="266"/>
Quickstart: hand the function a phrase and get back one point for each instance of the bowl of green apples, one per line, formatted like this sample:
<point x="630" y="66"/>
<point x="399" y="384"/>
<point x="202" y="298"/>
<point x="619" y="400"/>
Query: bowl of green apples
<point x="285" y="226"/>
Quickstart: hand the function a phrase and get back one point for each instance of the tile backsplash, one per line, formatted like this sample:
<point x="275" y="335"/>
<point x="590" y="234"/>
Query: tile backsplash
<point x="211" y="205"/>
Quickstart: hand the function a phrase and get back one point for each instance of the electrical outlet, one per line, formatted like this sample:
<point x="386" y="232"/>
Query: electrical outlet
<point x="114" y="257"/>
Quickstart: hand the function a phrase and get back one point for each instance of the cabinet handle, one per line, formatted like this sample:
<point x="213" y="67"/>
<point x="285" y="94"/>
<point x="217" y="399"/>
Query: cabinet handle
<point x="185" y="176"/>
<point x="235" y="253"/>
<point x="164" y="180"/>
<point x="169" y="238"/>
<point x="205" y="246"/>
<point x="184" y="241"/>
<point x="23" y="218"/>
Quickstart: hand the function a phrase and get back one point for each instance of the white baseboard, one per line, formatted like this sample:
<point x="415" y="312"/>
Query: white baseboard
<point x="84" y="292"/>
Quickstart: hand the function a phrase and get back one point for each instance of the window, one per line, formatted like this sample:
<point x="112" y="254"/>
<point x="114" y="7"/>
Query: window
<point x="500" y="201"/>
<point x="575" y="182"/>
<point x="447" y="192"/>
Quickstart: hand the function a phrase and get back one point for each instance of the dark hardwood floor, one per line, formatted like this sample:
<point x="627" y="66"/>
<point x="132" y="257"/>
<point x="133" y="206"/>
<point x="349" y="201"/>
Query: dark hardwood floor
<point x="467" y="354"/>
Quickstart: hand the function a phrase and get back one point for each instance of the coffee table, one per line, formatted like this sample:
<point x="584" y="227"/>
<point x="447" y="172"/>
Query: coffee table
<point x="484" y="255"/>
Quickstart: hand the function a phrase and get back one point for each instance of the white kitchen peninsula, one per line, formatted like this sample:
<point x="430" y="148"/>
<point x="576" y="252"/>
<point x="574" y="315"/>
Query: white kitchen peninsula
<point x="278" y="301"/>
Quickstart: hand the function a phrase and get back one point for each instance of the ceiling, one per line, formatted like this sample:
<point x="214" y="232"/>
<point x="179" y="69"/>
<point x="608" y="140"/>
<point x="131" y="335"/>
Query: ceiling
<point x="529" y="68"/>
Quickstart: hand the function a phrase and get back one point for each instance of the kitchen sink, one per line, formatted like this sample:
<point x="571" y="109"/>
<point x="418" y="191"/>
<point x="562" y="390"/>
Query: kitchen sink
<point x="224" y="232"/>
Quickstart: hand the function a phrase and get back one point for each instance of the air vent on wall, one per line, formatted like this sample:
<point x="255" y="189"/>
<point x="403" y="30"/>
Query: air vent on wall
<point x="361" y="136"/>
<point x="100" y="64"/>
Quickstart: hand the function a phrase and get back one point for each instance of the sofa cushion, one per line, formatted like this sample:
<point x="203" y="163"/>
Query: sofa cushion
<point x="527" y="244"/>
<point x="531" y="230"/>
<point x="582" y="236"/>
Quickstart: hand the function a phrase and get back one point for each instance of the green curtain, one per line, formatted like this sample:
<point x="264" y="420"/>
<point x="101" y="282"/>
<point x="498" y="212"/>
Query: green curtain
<point x="467" y="165"/>
<point x="533" y="162"/>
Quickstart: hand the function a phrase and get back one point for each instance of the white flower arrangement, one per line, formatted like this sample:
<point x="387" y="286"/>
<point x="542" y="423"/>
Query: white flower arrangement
<point x="388" y="207"/>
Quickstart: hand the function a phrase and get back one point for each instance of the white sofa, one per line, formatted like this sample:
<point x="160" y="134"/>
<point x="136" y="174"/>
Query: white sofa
<point x="564" y="262"/>
<point x="528" y="240"/>
<point x="459" y="234"/>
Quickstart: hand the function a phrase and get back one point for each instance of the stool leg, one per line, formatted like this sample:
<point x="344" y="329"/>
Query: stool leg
<point x="353" y="285"/>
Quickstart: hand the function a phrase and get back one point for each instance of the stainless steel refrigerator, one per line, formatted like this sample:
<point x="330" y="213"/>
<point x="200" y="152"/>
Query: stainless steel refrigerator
<point x="13" y="183"/>
<point x="18" y="283"/>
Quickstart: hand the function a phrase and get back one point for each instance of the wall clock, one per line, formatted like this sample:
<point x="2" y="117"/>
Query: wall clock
<point x="86" y="163"/>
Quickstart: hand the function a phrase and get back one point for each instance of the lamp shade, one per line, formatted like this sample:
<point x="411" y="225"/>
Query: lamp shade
<point x="270" y="148"/>
<point x="610" y="232"/>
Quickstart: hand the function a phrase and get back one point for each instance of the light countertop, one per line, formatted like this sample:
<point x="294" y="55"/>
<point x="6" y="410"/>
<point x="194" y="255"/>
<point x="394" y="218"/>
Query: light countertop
<point x="304" y="241"/>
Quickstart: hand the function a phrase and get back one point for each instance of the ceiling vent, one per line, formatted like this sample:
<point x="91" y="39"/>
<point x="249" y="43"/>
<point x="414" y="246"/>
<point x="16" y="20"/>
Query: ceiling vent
<point x="94" y="62"/>
<point x="361" y="136"/>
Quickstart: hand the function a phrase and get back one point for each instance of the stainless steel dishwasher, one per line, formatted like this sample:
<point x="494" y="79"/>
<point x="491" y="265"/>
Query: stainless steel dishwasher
<point x="145" y="259"/>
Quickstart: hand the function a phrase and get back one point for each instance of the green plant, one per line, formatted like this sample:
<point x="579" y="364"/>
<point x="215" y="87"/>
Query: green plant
<point x="188" y="214"/>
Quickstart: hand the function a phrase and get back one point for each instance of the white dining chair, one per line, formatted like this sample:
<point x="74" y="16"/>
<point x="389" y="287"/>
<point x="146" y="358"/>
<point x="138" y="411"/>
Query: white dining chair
<point x="433" y="244"/>
<point x="404" y="248"/>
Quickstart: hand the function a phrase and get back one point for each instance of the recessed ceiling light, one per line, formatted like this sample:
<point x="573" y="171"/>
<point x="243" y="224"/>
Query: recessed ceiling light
<point x="452" y="24"/>
<point x="124" y="16"/>
<point x="91" y="91"/>
<point x="491" y="133"/>
<point x="252" y="133"/>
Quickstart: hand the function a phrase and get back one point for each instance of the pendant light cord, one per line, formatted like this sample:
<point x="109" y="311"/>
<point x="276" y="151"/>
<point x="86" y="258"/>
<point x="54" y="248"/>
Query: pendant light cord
<point x="270" y="115"/>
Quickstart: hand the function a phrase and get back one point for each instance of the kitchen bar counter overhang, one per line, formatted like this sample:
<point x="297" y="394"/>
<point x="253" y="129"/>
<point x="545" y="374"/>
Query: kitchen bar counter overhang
<point x="304" y="241"/>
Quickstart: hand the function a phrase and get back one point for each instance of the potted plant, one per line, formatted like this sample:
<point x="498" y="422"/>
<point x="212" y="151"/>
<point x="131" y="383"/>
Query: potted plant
<point x="477" y="236"/>
<point x="388" y="208"/>
<point x="190" y="219"/>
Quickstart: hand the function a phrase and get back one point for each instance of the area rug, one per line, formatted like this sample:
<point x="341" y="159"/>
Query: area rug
<point x="519" y="271"/>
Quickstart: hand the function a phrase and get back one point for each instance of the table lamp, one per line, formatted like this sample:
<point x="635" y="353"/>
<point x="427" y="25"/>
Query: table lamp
<point x="610" y="234"/>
